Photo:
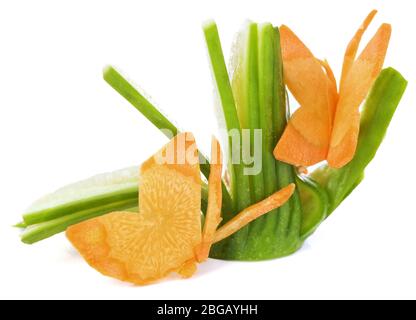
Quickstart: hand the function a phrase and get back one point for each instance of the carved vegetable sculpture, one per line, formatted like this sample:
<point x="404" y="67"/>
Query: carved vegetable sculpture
<point x="141" y="227"/>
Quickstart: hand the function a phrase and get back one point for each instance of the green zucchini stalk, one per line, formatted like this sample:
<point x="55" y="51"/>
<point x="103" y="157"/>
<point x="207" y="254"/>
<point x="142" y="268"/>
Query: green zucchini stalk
<point x="258" y="88"/>
<point x="267" y="105"/>
<point x="289" y="218"/>
<point x="245" y="87"/>
<point x="239" y="181"/>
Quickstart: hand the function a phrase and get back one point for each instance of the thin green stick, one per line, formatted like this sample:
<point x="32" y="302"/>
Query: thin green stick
<point x="240" y="184"/>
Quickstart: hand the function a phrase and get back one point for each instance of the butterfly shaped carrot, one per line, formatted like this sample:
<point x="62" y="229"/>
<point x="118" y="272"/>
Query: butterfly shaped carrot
<point x="165" y="236"/>
<point x="326" y="125"/>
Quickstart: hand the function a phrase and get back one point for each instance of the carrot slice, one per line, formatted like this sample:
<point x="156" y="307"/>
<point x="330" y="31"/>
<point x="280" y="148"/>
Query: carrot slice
<point x="357" y="83"/>
<point x="332" y="88"/>
<point x="213" y="215"/>
<point x="188" y="269"/>
<point x="142" y="248"/>
<point x="329" y="73"/>
<point x="306" y="138"/>
<point x="255" y="211"/>
<point x="352" y="47"/>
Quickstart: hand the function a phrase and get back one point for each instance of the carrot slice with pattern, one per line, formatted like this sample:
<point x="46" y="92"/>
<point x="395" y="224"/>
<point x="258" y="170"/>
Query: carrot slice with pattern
<point x="146" y="246"/>
<point x="306" y="138"/>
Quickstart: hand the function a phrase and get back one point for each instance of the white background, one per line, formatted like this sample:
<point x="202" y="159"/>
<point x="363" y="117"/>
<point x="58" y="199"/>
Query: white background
<point x="60" y="122"/>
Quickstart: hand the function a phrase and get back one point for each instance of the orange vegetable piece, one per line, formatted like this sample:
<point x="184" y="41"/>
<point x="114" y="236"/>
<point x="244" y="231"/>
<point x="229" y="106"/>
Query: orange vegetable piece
<point x="144" y="247"/>
<point x="165" y="236"/>
<point x="332" y="89"/>
<point x="326" y="126"/>
<point x="352" y="48"/>
<point x="358" y="82"/>
<point x="305" y="140"/>
<point x="255" y="211"/>
<point x="213" y="215"/>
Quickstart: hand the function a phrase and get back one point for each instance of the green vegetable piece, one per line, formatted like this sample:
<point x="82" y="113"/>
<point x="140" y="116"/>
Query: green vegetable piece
<point x="58" y="211"/>
<point x="93" y="192"/>
<point x="267" y="106"/>
<point x="269" y="101"/>
<point x="377" y="113"/>
<point x="315" y="205"/>
<point x="20" y="225"/>
<point x="239" y="182"/>
<point x="284" y="226"/>
<point x="289" y="217"/>
<point x="49" y="228"/>
<point x="259" y="92"/>
<point x="245" y="86"/>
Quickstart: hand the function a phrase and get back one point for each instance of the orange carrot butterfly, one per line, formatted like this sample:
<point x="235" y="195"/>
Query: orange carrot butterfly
<point x="326" y="125"/>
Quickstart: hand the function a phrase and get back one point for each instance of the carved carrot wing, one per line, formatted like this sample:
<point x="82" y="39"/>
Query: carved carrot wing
<point x="146" y="246"/>
<point x="358" y="79"/>
<point x="306" y="138"/>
